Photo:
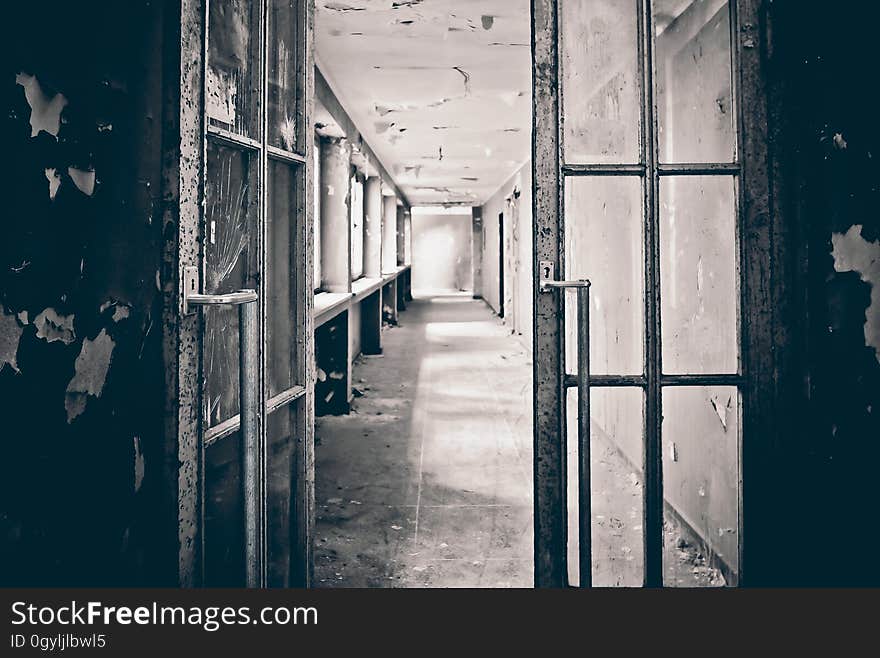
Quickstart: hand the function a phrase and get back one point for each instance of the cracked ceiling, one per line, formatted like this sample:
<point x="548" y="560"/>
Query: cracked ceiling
<point x="441" y="89"/>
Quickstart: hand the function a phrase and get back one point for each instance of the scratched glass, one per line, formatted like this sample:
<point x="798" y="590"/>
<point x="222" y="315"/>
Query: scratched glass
<point x="232" y="85"/>
<point x="284" y="97"/>
<point x="279" y="481"/>
<point x="699" y="280"/>
<point x="604" y="243"/>
<point x="224" y="514"/>
<point x="280" y="276"/>
<point x="696" y="116"/>
<point x="617" y="486"/>
<point x="230" y="265"/>
<point x="600" y="81"/>
<point x="701" y="486"/>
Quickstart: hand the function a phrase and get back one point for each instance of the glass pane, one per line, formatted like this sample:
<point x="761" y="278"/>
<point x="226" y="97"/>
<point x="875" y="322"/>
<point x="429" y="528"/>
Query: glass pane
<point x="600" y="89"/>
<point x="230" y="254"/>
<point x="698" y="274"/>
<point x="616" y="456"/>
<point x="283" y="96"/>
<point x="356" y="211"/>
<point x="233" y="81"/>
<point x="224" y="514"/>
<point x="316" y="154"/>
<point x="694" y="98"/>
<point x="280" y="273"/>
<point x="604" y="243"/>
<point x="701" y="486"/>
<point x="279" y="480"/>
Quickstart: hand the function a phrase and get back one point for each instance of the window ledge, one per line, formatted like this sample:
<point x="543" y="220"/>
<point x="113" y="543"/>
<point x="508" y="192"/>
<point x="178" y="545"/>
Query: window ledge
<point x="364" y="287"/>
<point x="330" y="304"/>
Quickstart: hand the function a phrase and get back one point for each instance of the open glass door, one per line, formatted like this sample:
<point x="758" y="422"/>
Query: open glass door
<point x="253" y="511"/>
<point x="638" y="187"/>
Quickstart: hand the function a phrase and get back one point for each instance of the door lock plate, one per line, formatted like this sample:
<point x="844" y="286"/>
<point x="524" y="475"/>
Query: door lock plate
<point x="546" y="272"/>
<point x="190" y="286"/>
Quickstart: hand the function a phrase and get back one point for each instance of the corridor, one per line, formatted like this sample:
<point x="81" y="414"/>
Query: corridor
<point x="213" y="369"/>
<point x="428" y="483"/>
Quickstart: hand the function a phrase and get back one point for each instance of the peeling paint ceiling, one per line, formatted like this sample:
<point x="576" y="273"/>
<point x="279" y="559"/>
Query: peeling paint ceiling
<point x="440" y="89"/>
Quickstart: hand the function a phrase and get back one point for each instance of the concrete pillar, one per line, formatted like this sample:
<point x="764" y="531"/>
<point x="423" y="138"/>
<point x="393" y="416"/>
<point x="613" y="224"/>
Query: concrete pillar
<point x="401" y="236"/>
<point x="477" y="249"/>
<point x="335" y="220"/>
<point x="389" y="235"/>
<point x="373" y="227"/>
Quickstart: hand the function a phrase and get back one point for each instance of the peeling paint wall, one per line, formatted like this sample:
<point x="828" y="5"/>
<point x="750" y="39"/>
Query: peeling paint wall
<point x="819" y="495"/>
<point x="853" y="253"/>
<point x="80" y="313"/>
<point x="514" y="199"/>
<point x="440" y="89"/>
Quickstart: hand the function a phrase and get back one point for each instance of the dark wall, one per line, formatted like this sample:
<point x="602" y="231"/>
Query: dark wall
<point x="820" y="483"/>
<point x="80" y="311"/>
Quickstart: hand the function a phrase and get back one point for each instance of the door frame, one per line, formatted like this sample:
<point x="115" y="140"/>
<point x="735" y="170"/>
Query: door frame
<point x="760" y="289"/>
<point x="185" y="133"/>
<point x="501" y="274"/>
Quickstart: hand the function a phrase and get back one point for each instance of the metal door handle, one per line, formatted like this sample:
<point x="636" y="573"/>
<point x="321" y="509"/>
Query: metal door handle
<point x="585" y="560"/>
<point x="549" y="284"/>
<point x="247" y="390"/>
<point x="229" y="299"/>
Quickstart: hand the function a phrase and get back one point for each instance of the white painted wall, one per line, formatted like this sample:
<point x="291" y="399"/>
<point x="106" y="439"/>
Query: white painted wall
<point x="441" y="246"/>
<point x="514" y="200"/>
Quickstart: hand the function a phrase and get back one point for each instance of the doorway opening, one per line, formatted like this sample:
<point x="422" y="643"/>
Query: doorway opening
<point x="501" y="256"/>
<point x="601" y="388"/>
<point x="423" y="477"/>
<point x="645" y="209"/>
<point x="431" y="395"/>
